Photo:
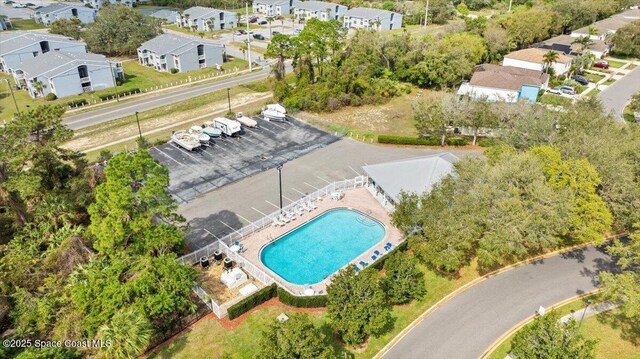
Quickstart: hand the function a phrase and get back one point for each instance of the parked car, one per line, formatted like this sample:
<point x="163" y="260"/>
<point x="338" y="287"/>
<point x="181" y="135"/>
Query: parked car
<point x="555" y="90"/>
<point x="274" y="33"/>
<point x="258" y="37"/>
<point x="601" y="65"/>
<point x="253" y="19"/>
<point x="19" y="5"/>
<point x="241" y="32"/>
<point x="8" y="2"/>
<point x="29" y="4"/>
<point x="580" y="79"/>
<point x="263" y="22"/>
<point x="568" y="90"/>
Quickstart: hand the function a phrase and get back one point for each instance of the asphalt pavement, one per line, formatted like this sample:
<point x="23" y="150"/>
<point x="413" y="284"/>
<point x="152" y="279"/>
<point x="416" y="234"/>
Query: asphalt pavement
<point x="164" y="98"/>
<point x="616" y="97"/>
<point x="468" y="324"/>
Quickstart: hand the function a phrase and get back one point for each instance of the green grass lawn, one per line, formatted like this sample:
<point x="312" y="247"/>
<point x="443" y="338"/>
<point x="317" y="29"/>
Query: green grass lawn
<point x="614" y="333"/>
<point x="25" y="24"/>
<point x="555" y="100"/>
<point x="593" y="77"/>
<point x="610" y="81"/>
<point x="614" y="63"/>
<point x="593" y="92"/>
<point x="209" y="339"/>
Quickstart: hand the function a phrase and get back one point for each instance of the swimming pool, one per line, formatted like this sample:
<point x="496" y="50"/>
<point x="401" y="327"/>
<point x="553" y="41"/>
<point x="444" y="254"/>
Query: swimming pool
<point x="317" y="249"/>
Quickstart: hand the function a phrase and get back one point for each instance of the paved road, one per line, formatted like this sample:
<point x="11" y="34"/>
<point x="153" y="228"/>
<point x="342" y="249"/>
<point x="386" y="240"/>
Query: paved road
<point x="616" y="97"/>
<point x="251" y="198"/>
<point x="161" y="99"/>
<point x="466" y="326"/>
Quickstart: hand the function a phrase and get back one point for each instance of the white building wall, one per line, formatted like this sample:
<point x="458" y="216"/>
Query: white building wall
<point x="488" y="94"/>
<point x="522" y="64"/>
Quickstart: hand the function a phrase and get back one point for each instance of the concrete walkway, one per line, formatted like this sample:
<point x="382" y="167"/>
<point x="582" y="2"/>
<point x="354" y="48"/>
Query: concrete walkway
<point x="590" y="312"/>
<point x="470" y="322"/>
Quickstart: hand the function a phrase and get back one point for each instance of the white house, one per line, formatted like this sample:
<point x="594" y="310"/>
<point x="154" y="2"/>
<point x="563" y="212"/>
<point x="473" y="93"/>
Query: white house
<point x="495" y="83"/>
<point x="97" y="4"/>
<point x="320" y="10"/>
<point x="184" y="53"/>
<point x="607" y="26"/>
<point x="19" y="46"/>
<point x="273" y="7"/>
<point x="66" y="73"/>
<point x="533" y="59"/>
<point x="207" y="19"/>
<point x="368" y="18"/>
<point x="50" y="13"/>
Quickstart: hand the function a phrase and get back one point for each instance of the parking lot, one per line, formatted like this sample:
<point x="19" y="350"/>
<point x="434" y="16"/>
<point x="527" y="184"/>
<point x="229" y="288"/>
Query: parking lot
<point x="193" y="173"/>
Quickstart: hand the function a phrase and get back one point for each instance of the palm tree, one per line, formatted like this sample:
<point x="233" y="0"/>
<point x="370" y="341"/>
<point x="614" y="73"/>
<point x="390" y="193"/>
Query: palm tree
<point x="593" y="31"/>
<point x="270" y="20"/>
<point x="39" y="86"/>
<point x="210" y="25"/>
<point x="377" y="23"/>
<point x="584" y="42"/>
<point x="244" y="47"/>
<point x="550" y="58"/>
<point x="129" y="332"/>
<point x="328" y="13"/>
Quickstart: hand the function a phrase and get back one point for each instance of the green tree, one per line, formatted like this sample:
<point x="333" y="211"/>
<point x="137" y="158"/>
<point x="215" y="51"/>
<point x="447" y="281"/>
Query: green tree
<point x="68" y="27"/>
<point x="295" y="338"/>
<point x="546" y="337"/>
<point x="528" y="26"/>
<point x="357" y="305"/>
<point x="280" y="48"/>
<point x="133" y="211"/>
<point x="403" y="281"/>
<point x="119" y="30"/>
<point x="626" y="41"/>
<point x="128" y="332"/>
<point x="584" y="42"/>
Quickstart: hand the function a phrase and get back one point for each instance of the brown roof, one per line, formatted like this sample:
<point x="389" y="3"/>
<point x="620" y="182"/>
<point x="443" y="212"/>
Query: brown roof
<point x="597" y="45"/>
<point x="506" y="77"/>
<point x="535" y="55"/>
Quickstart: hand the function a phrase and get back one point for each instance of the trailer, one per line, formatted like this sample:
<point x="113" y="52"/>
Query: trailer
<point x="227" y="126"/>
<point x="246" y="121"/>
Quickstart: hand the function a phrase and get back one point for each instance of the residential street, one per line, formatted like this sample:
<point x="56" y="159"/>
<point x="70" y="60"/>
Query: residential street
<point x="466" y="326"/>
<point x="161" y="99"/>
<point x="617" y="96"/>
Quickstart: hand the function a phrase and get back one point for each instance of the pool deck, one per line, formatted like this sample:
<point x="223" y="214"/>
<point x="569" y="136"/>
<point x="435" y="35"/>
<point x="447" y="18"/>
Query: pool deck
<point x="359" y="199"/>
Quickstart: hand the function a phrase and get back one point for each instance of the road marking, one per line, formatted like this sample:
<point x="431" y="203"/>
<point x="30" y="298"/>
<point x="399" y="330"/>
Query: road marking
<point x="287" y="198"/>
<point x="312" y="186"/>
<point x="277" y="207"/>
<point x="233" y="229"/>
<point x="324" y="179"/>
<point x="355" y="171"/>
<point x="257" y="210"/>
<point x="278" y="126"/>
<point x="169" y="157"/>
<point x="206" y="230"/>
<point x="246" y="220"/>
<point x="302" y="193"/>
<point x="188" y="154"/>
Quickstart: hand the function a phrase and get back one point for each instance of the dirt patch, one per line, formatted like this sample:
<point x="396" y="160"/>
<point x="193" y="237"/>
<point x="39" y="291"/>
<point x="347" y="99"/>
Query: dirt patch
<point x="273" y="302"/>
<point x="210" y="282"/>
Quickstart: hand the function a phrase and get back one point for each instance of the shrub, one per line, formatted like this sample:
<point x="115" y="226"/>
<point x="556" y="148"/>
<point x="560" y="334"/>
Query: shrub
<point x="174" y="70"/>
<point x="252" y="301"/>
<point x="315" y="301"/>
<point x="50" y="96"/>
<point x="402" y="140"/>
<point x="457" y="141"/>
<point x="107" y="96"/>
<point x="488" y="142"/>
<point x="403" y="281"/>
<point x="78" y="102"/>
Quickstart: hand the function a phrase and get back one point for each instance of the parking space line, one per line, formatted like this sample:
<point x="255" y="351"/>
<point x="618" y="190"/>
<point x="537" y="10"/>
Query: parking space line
<point x="166" y="155"/>
<point x="302" y="193"/>
<point x="278" y="126"/>
<point x="188" y="154"/>
<point x="277" y="207"/>
<point x="310" y="185"/>
<point x="268" y="130"/>
<point x="356" y="172"/>
<point x="257" y="210"/>
<point x="219" y="146"/>
<point x="233" y="229"/>
<point x="246" y="220"/>
<point x="206" y="230"/>
<point x="287" y="198"/>
<point x="324" y="179"/>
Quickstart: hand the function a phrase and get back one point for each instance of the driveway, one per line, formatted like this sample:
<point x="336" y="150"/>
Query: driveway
<point x="616" y="97"/>
<point x="239" y="203"/>
<point x="468" y="324"/>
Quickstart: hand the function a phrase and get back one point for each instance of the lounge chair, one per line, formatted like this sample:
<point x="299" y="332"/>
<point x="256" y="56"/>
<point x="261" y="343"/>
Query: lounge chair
<point x="363" y="264"/>
<point x="355" y="267"/>
<point x="308" y="207"/>
<point x="377" y="253"/>
<point x="374" y="257"/>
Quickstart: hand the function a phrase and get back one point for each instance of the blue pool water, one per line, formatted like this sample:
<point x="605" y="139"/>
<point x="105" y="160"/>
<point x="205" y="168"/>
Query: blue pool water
<point x="314" y="251"/>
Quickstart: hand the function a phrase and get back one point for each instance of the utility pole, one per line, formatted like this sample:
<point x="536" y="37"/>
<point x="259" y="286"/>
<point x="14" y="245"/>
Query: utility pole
<point x="229" y="98"/>
<point x="583" y="313"/>
<point x="280" y="180"/>
<point x="13" y="95"/>
<point x="246" y="7"/>
<point x="138" y="121"/>
<point x="426" y="14"/>
<point x="115" y="83"/>
<point x="510" y="2"/>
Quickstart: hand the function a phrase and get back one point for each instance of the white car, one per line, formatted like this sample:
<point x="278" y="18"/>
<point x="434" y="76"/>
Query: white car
<point x="19" y="5"/>
<point x="555" y="90"/>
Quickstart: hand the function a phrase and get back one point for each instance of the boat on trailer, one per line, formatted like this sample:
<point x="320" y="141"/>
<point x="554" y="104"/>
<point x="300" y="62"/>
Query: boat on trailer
<point x="210" y="129"/>
<point x="246" y="121"/>
<point x="185" y="140"/>
<point x="274" y="112"/>
<point x="202" y="137"/>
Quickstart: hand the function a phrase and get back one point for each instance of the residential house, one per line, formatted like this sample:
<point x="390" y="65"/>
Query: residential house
<point x="165" y="15"/>
<point x="600" y="29"/>
<point x="5" y="24"/>
<point x="184" y="53"/>
<point x="68" y="10"/>
<point x="273" y="7"/>
<point x="533" y="59"/>
<point x="66" y="73"/>
<point x="207" y="19"/>
<point x="496" y="83"/>
<point x="97" y="4"/>
<point x="320" y="10"/>
<point x="368" y="18"/>
<point x="566" y="44"/>
<point x="19" y="46"/>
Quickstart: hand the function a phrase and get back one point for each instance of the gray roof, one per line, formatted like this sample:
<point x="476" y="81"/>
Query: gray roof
<point x="199" y="12"/>
<point x="369" y="13"/>
<point x="56" y="7"/>
<point x="171" y="43"/>
<point x="269" y="2"/>
<point x="414" y="175"/>
<point x="166" y="14"/>
<point x="316" y="5"/>
<point x="11" y="41"/>
<point x="612" y="23"/>
<point x="55" y="62"/>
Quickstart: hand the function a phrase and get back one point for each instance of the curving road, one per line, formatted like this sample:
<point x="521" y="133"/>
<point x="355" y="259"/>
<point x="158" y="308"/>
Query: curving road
<point x="468" y="324"/>
<point x="616" y="97"/>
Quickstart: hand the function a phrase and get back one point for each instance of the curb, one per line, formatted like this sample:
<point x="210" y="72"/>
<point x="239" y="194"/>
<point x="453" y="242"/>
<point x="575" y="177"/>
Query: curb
<point x="461" y="289"/>
<point x="528" y="320"/>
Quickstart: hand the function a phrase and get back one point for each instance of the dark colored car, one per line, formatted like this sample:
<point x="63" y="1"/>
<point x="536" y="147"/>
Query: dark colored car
<point x="28" y="4"/>
<point x="580" y="79"/>
<point x="253" y="19"/>
<point x="274" y="33"/>
<point x="601" y="65"/>
<point x="258" y="37"/>
<point x="241" y="32"/>
<point x="263" y="22"/>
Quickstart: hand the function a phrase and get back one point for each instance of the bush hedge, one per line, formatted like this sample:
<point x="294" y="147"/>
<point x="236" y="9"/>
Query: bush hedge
<point x="379" y="263"/>
<point x="314" y="301"/>
<point x="252" y="301"/>
<point x="403" y="140"/>
<point x="488" y="142"/>
<point x="457" y="141"/>
<point x="79" y="102"/>
<point x="50" y="96"/>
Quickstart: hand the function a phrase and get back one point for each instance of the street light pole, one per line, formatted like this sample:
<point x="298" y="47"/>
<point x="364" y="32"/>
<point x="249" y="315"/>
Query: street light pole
<point x="12" y="95"/>
<point x="280" y="180"/>
<point x="138" y="121"/>
<point x="229" y="98"/>
<point x="246" y="6"/>
<point x="583" y="313"/>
